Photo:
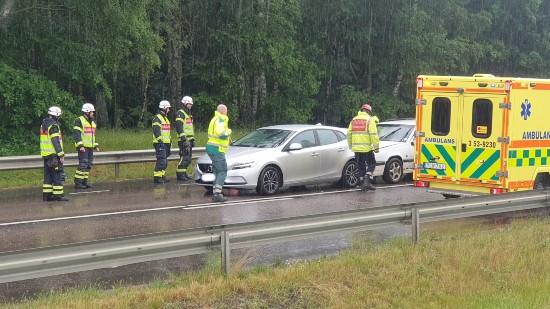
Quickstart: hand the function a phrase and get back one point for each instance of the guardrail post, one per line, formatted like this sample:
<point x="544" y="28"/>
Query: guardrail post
<point x="117" y="170"/>
<point x="415" y="225"/>
<point x="226" y="253"/>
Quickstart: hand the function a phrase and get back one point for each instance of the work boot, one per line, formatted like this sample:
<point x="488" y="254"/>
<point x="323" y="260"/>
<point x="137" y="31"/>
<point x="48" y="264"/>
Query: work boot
<point x="182" y="177"/>
<point x="367" y="185"/>
<point x="360" y="182"/>
<point x="60" y="198"/>
<point x="164" y="179"/>
<point x="158" y="181"/>
<point x="79" y="184"/>
<point x="219" y="198"/>
<point x="87" y="184"/>
<point x="47" y="197"/>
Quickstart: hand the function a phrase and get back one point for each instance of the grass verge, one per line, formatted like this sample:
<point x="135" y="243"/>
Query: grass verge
<point x="503" y="266"/>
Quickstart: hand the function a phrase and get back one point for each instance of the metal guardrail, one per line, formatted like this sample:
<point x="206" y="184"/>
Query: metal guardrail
<point x="49" y="261"/>
<point x="100" y="158"/>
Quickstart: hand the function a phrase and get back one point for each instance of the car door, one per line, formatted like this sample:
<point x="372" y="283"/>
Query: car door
<point x="331" y="153"/>
<point x="302" y="166"/>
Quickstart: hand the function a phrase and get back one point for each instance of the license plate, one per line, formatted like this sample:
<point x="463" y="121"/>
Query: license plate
<point x="208" y="177"/>
<point x="434" y="166"/>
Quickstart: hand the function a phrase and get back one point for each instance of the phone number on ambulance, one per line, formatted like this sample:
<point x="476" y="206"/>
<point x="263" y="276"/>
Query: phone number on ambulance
<point x="482" y="144"/>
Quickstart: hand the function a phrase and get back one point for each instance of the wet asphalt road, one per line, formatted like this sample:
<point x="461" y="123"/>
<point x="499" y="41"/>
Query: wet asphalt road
<point x="137" y="207"/>
<point x="127" y="208"/>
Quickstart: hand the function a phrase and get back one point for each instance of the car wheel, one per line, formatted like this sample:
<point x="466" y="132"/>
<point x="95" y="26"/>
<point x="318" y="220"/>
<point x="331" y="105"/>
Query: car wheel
<point x="541" y="182"/>
<point x="393" y="172"/>
<point x="269" y="181"/>
<point x="349" y="175"/>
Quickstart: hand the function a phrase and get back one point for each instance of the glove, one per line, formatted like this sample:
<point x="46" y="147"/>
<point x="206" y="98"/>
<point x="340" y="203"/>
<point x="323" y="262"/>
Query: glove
<point x="187" y="149"/>
<point x="161" y="145"/>
<point x="376" y="150"/>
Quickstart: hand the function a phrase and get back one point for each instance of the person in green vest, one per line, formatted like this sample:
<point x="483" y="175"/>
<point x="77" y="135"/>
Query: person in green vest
<point x="186" y="134"/>
<point x="85" y="143"/>
<point x="51" y="150"/>
<point x="216" y="147"/>
<point x="161" y="142"/>
<point x="364" y="142"/>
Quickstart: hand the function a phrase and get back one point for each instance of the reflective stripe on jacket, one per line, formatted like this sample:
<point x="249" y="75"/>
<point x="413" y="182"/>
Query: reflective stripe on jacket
<point x="186" y="123"/>
<point x="47" y="146"/>
<point x="218" y="132"/>
<point x="163" y="124"/>
<point x="362" y="133"/>
<point x="87" y="133"/>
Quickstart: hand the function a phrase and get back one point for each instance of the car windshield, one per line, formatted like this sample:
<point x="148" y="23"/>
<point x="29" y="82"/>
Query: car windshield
<point x="394" y="132"/>
<point x="263" y="138"/>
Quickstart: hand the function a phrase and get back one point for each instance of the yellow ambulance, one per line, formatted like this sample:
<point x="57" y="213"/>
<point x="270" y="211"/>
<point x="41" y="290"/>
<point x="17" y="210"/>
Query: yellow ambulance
<point x="482" y="134"/>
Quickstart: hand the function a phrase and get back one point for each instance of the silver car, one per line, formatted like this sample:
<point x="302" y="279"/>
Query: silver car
<point x="274" y="157"/>
<point x="396" y="154"/>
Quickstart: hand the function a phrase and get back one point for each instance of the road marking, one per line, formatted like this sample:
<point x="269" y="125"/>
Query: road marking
<point x="210" y="205"/>
<point x="88" y="192"/>
<point x="185" y="207"/>
<point x="194" y="206"/>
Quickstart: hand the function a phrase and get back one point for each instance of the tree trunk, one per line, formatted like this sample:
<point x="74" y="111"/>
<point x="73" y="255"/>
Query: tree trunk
<point x="174" y="52"/>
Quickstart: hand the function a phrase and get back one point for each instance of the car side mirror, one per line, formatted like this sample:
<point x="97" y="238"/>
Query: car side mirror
<point x="295" y="146"/>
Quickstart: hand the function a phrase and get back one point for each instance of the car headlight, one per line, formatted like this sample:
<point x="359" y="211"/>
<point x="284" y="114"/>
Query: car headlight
<point x="241" y="165"/>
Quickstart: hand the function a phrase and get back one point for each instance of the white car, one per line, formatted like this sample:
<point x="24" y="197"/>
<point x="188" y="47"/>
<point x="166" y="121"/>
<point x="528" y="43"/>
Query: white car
<point x="274" y="157"/>
<point x="396" y="155"/>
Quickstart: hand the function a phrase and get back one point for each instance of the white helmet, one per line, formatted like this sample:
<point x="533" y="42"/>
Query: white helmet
<point x="54" y="111"/>
<point x="164" y="104"/>
<point x="88" y="107"/>
<point x="187" y="100"/>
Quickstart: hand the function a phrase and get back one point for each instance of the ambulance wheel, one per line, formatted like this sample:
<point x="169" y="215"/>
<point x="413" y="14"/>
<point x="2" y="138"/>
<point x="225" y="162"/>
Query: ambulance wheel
<point x="541" y="181"/>
<point x="393" y="172"/>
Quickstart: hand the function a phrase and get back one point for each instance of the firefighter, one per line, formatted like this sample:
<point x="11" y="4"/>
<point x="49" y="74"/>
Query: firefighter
<point x="216" y="147"/>
<point x="51" y="150"/>
<point x="161" y="142"/>
<point x="85" y="143"/>
<point x="364" y="142"/>
<point x="186" y="134"/>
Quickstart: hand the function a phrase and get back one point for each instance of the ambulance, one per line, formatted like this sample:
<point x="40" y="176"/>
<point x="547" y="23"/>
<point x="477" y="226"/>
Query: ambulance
<point x="481" y="134"/>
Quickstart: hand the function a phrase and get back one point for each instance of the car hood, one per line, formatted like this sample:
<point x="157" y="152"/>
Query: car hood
<point x="388" y="144"/>
<point x="239" y="153"/>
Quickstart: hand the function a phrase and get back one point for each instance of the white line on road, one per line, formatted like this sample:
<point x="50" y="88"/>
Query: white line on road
<point x="195" y="206"/>
<point x="88" y="192"/>
<point x="184" y="207"/>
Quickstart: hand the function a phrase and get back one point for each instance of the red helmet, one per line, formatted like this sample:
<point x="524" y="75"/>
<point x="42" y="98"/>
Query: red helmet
<point x="367" y="107"/>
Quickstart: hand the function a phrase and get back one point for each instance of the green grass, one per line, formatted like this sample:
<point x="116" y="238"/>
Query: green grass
<point x="109" y="140"/>
<point x="477" y="267"/>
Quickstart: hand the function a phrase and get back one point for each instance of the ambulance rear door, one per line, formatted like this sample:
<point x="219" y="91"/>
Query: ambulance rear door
<point x="438" y="129"/>
<point x="480" y="147"/>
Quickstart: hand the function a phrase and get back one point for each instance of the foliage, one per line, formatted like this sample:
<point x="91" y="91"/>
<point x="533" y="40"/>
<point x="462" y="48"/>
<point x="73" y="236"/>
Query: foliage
<point x="24" y="100"/>
<point x="271" y="62"/>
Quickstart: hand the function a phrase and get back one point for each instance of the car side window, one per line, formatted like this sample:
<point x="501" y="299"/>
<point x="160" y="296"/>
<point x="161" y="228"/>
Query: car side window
<point x="306" y="139"/>
<point x="327" y="137"/>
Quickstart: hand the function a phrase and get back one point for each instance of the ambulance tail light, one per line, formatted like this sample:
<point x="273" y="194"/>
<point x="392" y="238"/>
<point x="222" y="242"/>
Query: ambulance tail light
<point x="421" y="184"/>
<point x="496" y="191"/>
<point x="419" y="83"/>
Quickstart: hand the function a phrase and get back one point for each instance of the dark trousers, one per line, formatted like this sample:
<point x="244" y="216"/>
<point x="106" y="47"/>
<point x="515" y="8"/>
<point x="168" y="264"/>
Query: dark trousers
<point x="52" y="177"/>
<point x="185" y="159"/>
<point x="162" y="159"/>
<point x="366" y="162"/>
<point x="85" y="161"/>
